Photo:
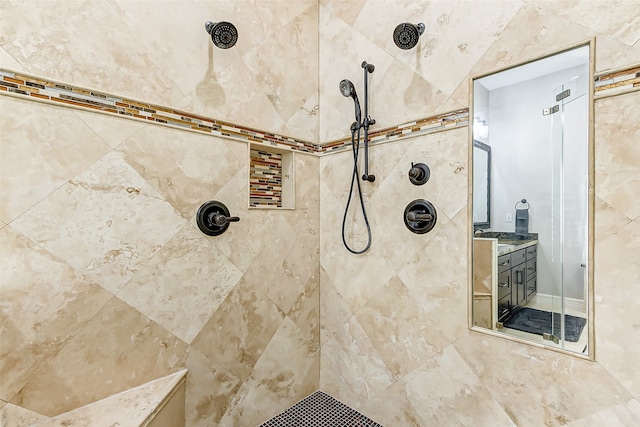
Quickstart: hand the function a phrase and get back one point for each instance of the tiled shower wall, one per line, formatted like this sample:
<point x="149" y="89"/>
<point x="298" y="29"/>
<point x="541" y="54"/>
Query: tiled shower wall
<point x="395" y="343"/>
<point x="110" y="216"/>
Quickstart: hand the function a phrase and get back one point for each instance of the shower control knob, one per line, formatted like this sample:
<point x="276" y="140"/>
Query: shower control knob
<point x="213" y="218"/>
<point x="419" y="173"/>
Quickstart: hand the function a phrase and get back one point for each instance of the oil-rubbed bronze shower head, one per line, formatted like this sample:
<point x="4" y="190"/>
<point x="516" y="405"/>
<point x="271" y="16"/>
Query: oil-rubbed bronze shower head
<point x="223" y="34"/>
<point x="406" y="35"/>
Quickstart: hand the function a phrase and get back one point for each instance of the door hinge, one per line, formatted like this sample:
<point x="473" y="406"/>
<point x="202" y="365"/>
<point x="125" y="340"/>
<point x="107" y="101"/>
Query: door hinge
<point x="550" y="110"/>
<point x="563" y="95"/>
<point x="550" y="337"/>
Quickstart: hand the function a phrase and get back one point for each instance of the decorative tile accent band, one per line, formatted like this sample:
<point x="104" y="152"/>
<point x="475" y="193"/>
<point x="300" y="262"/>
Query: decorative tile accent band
<point x="620" y="81"/>
<point x="38" y="88"/>
<point x="265" y="179"/>
<point x="608" y="83"/>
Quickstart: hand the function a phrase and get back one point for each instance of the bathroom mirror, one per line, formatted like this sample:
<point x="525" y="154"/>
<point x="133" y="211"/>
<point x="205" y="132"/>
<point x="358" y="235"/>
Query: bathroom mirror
<point x="531" y="156"/>
<point x="481" y="177"/>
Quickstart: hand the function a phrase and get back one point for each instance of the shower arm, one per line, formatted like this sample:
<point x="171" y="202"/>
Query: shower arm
<point x="368" y="68"/>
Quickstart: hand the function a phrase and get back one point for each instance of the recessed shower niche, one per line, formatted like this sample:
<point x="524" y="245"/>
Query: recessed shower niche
<point x="271" y="178"/>
<point x="531" y="200"/>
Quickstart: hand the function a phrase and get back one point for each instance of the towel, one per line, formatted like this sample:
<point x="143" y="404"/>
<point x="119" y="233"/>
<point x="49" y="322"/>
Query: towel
<point x="522" y="222"/>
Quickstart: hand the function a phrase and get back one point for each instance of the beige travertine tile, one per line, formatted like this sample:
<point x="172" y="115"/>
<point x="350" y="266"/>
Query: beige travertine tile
<point x="239" y="330"/>
<point x="180" y="165"/>
<point x="306" y="314"/>
<point x="617" y="159"/>
<point x="608" y="220"/>
<point x="210" y="390"/>
<point x="112" y="130"/>
<point x="285" y="268"/>
<point x="565" y="388"/>
<point x="284" y="382"/>
<point x="97" y="61"/>
<point x="620" y="21"/>
<point x="623" y="414"/>
<point x="249" y="407"/>
<point x="346" y="11"/>
<point x="354" y="373"/>
<point x="102" y="359"/>
<point x="42" y="147"/>
<point x="617" y="304"/>
<point x="9" y="62"/>
<point x="106" y="222"/>
<point x="398" y="328"/>
<point x="130" y="407"/>
<point x="183" y="284"/>
<point x="392" y="408"/>
<point x="334" y="310"/>
<point x="445" y="391"/>
<point x="286" y="86"/>
<point x="16" y="416"/>
<point x="44" y="304"/>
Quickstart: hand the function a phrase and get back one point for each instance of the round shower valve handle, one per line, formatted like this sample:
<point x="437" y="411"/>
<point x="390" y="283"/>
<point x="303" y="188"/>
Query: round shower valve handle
<point x="213" y="218"/>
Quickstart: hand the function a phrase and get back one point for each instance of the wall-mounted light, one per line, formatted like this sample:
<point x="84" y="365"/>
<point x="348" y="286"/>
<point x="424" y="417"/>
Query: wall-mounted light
<point x="480" y="128"/>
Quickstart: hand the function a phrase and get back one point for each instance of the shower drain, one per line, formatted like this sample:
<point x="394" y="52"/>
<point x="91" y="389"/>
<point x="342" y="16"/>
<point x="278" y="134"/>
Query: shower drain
<point x="320" y="410"/>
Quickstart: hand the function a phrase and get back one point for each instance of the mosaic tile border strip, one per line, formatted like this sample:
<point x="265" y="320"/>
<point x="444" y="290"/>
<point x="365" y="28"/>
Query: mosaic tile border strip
<point x="427" y="125"/>
<point x="616" y="82"/>
<point x="48" y="90"/>
<point x="265" y="178"/>
<point x="320" y="410"/>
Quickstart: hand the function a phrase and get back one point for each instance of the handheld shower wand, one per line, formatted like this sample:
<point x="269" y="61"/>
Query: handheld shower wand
<point x="348" y="90"/>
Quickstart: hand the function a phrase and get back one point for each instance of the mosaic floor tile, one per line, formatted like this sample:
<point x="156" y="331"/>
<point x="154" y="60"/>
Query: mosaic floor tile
<point x="320" y="410"/>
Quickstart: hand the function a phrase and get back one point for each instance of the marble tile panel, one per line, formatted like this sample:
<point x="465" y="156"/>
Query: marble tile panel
<point x="113" y="131"/>
<point x="186" y="168"/>
<point x="133" y="406"/>
<point x="240" y="329"/>
<point x="330" y="220"/>
<point x="392" y="408"/>
<point x="288" y="87"/>
<point x="334" y="310"/>
<point x="351" y="370"/>
<point x="42" y="147"/>
<point x="617" y="157"/>
<point x="608" y="220"/>
<point x="619" y="20"/>
<point x="285" y="267"/>
<point x="106" y="222"/>
<point x="565" y="388"/>
<point x="182" y="284"/>
<point x="305" y="122"/>
<point x="102" y="359"/>
<point x="16" y="416"/>
<point x="74" y="49"/>
<point x="436" y="277"/>
<point x="307" y="184"/>
<point x="445" y="391"/>
<point x="239" y="243"/>
<point x="251" y="406"/>
<point x="398" y="328"/>
<point x="356" y="277"/>
<point x="617" y="304"/>
<point x="341" y="58"/>
<point x="621" y="415"/>
<point x="284" y="382"/>
<point x="348" y="11"/>
<point x="44" y="304"/>
<point x="8" y="61"/>
<point x="305" y="312"/>
<point x="457" y="34"/>
<point x="210" y="391"/>
<point x="233" y="94"/>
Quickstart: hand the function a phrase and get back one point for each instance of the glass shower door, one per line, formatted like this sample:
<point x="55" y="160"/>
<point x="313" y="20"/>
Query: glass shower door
<point x="569" y="218"/>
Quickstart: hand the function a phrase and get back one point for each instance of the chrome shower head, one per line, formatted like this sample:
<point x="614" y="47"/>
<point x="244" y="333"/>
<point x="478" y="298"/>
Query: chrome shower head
<point x="348" y="90"/>
<point x="223" y="34"/>
<point x="406" y="35"/>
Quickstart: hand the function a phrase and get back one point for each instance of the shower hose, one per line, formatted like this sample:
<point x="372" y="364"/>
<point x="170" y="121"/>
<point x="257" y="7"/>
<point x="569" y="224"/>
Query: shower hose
<point x="355" y="146"/>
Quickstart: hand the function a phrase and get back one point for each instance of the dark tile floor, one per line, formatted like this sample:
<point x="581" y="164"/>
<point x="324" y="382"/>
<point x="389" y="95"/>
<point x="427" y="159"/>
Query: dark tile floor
<point x="320" y="410"/>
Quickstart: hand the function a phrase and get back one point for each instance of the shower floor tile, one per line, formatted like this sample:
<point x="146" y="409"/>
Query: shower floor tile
<point x="320" y="410"/>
